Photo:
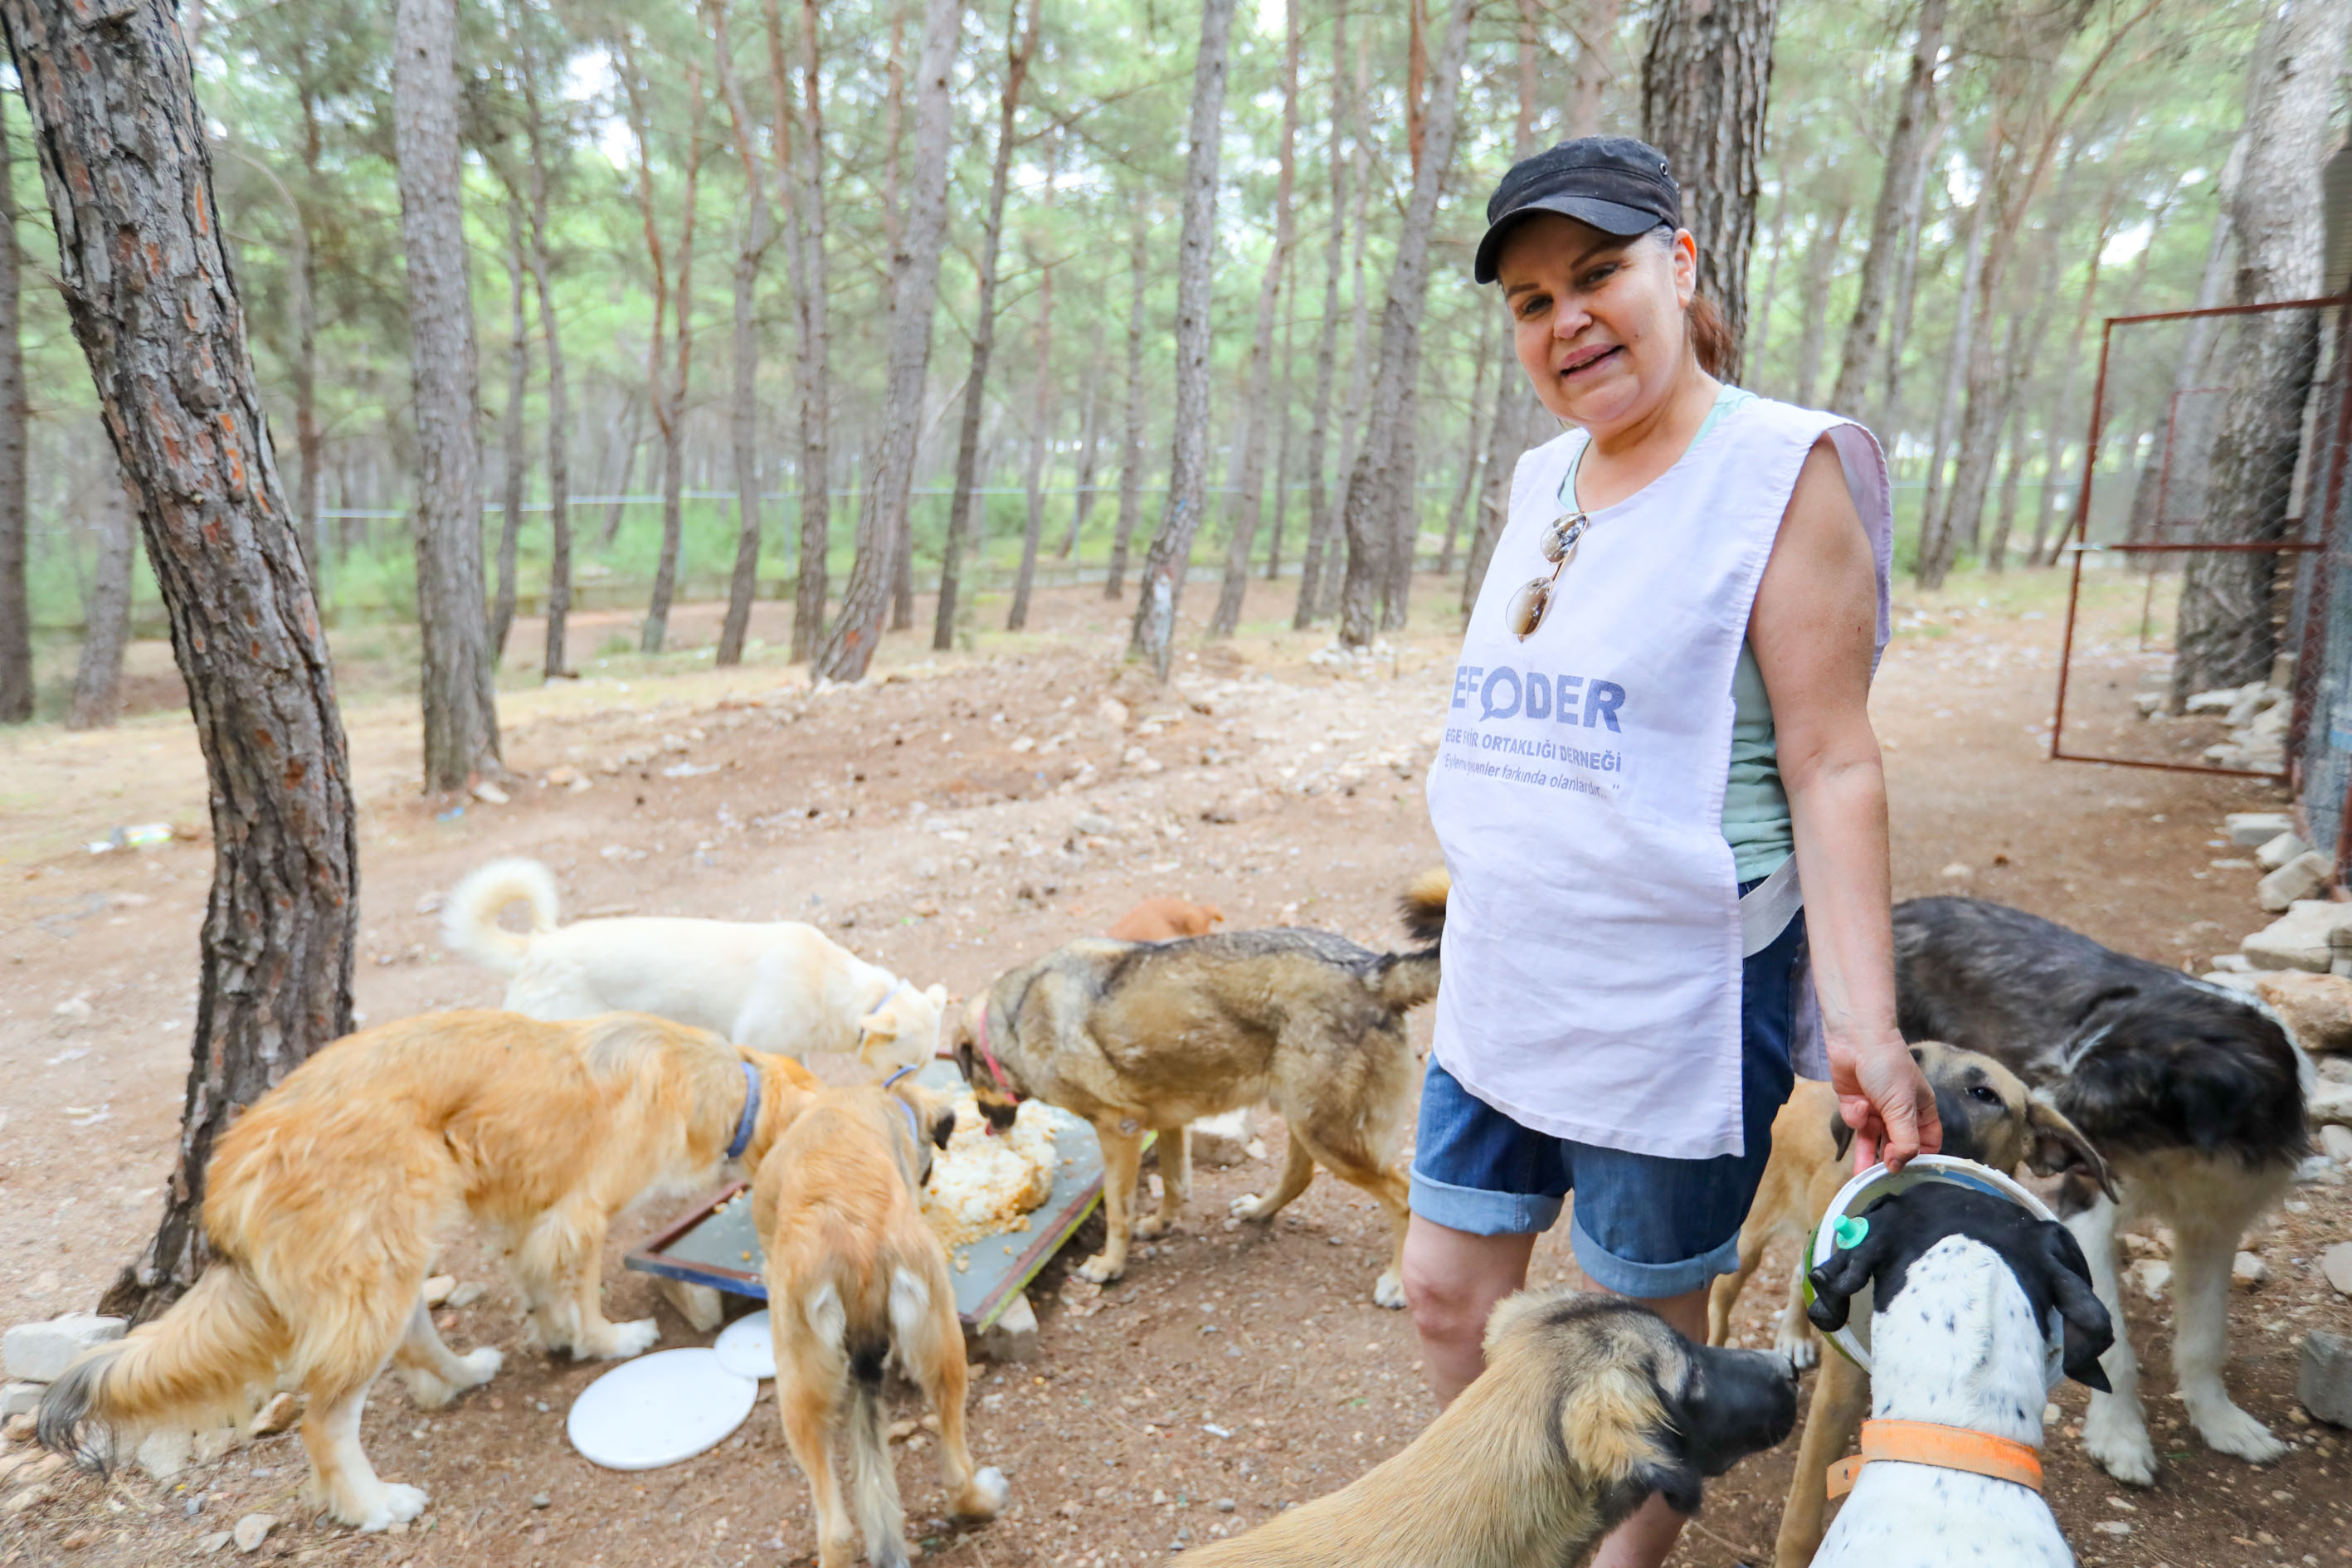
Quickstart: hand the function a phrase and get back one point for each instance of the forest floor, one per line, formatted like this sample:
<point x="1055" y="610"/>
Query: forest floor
<point x="1244" y="1367"/>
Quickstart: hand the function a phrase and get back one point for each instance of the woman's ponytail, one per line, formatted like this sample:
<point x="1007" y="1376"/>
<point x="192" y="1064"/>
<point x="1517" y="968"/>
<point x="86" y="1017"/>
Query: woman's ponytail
<point x="1710" y="337"/>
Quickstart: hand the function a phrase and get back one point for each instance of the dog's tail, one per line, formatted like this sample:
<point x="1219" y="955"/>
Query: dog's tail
<point x="864" y="1351"/>
<point x="197" y="1364"/>
<point x="1406" y="980"/>
<point x="470" y="921"/>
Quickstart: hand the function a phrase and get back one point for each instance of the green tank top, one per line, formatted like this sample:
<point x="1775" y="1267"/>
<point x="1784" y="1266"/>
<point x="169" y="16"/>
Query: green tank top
<point x="1755" y="805"/>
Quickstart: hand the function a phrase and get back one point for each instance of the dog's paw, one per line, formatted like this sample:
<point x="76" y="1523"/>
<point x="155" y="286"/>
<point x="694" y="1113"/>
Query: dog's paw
<point x="2117" y="1443"/>
<point x="1252" y="1208"/>
<point x="1387" y="1290"/>
<point x="391" y="1505"/>
<point x="1796" y="1342"/>
<point x="1151" y="1227"/>
<point x="1100" y="1270"/>
<point x="482" y="1366"/>
<point x="427" y="1391"/>
<point x="2230" y="1430"/>
<point x="987" y="1495"/>
<point x="622" y="1341"/>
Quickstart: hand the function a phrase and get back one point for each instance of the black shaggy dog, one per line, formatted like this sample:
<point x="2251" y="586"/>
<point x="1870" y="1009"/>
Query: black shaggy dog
<point x="2193" y="1093"/>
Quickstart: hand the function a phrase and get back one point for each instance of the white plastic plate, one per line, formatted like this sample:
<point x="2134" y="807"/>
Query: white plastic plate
<point x="1854" y="1340"/>
<point x="747" y="1347"/>
<point x="659" y="1409"/>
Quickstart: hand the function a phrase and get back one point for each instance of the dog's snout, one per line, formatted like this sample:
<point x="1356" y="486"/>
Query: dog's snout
<point x="1744" y="1402"/>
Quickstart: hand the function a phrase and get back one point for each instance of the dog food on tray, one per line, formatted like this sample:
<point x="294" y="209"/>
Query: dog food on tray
<point x="983" y="1186"/>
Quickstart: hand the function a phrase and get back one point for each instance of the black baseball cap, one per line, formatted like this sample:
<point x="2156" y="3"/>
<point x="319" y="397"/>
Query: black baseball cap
<point x="1615" y="184"/>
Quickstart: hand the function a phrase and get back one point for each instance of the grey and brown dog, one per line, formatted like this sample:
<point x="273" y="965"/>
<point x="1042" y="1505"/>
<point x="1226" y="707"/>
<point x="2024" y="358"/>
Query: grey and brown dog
<point x="1988" y="1116"/>
<point x="1589" y="1406"/>
<point x="1150" y="1036"/>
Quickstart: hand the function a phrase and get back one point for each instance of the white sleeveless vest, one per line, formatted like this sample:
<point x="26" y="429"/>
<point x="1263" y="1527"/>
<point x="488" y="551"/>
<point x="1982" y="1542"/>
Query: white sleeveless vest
<point x="1594" y="944"/>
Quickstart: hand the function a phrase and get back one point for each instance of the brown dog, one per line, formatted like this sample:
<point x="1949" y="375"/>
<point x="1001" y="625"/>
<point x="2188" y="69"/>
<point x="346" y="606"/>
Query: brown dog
<point x="1988" y="1116"/>
<point x="1589" y="1406"/>
<point x="857" y="1283"/>
<point x="1165" y="919"/>
<point x="327" y="1200"/>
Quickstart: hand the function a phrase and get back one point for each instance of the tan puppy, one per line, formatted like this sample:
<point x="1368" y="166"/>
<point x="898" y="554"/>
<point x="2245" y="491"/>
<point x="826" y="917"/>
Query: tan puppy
<point x="327" y="1202"/>
<point x="1165" y="919"/>
<point x="857" y="1283"/>
<point x="1589" y="1406"/>
<point x="1988" y="1117"/>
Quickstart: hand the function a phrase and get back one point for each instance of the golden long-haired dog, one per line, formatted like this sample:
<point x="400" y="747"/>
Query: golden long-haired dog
<point x="327" y="1201"/>
<point x="1988" y="1116"/>
<point x="857" y="1283"/>
<point x="1588" y="1405"/>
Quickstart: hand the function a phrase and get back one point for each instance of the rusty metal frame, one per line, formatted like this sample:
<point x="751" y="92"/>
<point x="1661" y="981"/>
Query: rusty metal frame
<point x="2080" y="545"/>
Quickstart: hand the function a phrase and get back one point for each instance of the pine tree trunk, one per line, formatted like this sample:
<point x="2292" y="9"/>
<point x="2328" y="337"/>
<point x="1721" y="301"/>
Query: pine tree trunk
<point x="1130" y="460"/>
<point x="502" y="603"/>
<point x="554" y="660"/>
<point x="1089" y="432"/>
<point x="16" y="608"/>
<point x="1249" y="492"/>
<point x="124" y="161"/>
<point x="1041" y="424"/>
<point x="106" y="622"/>
<point x="1704" y="86"/>
<point x="1886" y="415"/>
<point x="1162" y="583"/>
<point x="1321" y="517"/>
<point x="1596" y="30"/>
<point x="743" y="410"/>
<point x="2198" y="339"/>
<point x="1020" y="48"/>
<point x="2226" y="635"/>
<point x="461" y="722"/>
<point x="811" y="376"/>
<point x="1934" y="550"/>
<point x="1283" y="481"/>
<point x="1821" y="269"/>
<point x="2013" y="461"/>
<point x="669" y="394"/>
<point x="914" y="289"/>
<point x="1484" y="356"/>
<point x="1379" y="486"/>
<point x="624" y="455"/>
<point x="1900" y="184"/>
<point x="1359" y="358"/>
<point x="1760" y="337"/>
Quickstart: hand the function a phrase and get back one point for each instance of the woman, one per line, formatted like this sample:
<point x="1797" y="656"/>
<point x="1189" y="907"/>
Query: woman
<point x="1658" y="723"/>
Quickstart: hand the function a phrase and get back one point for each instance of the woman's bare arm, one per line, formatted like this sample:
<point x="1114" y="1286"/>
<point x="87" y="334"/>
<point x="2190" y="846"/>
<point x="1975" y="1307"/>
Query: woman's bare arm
<point x="1813" y="628"/>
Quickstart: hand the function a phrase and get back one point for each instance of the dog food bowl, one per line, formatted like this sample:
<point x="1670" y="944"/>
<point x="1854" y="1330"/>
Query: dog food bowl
<point x="659" y="1409"/>
<point x="1853" y="1341"/>
<point x="747" y="1347"/>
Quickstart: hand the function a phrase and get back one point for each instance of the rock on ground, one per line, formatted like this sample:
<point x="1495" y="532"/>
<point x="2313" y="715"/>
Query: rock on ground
<point x="2337" y="1264"/>
<point x="2302" y="938"/>
<point x="2252" y="829"/>
<point x="38" y="1352"/>
<point x="2316" y="1007"/>
<point x="2304" y="877"/>
<point x="2286" y="847"/>
<point x="2324" y="1384"/>
<point x="253" y="1530"/>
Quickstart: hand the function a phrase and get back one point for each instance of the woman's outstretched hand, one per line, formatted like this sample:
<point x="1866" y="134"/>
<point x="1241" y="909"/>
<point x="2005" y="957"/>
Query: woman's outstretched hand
<point x="1884" y="1097"/>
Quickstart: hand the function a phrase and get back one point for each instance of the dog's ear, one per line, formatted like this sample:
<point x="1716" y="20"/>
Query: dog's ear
<point x="938" y="995"/>
<point x="1840" y="1134"/>
<point x="1617" y="1426"/>
<point x="944" y="1126"/>
<point x="2089" y="1330"/>
<point x="2059" y="1147"/>
<point x="1836" y="1281"/>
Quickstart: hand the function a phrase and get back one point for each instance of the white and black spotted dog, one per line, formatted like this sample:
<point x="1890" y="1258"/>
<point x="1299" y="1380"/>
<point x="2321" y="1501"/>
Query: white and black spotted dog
<point x="1962" y="1285"/>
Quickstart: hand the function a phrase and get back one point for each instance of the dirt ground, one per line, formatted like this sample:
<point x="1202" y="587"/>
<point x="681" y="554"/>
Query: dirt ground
<point x="929" y="820"/>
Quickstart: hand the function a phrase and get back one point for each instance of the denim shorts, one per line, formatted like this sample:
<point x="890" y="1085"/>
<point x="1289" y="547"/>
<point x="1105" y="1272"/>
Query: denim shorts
<point x="1644" y="1225"/>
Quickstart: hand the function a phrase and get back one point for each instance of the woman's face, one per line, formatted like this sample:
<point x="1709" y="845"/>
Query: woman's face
<point x="1597" y="320"/>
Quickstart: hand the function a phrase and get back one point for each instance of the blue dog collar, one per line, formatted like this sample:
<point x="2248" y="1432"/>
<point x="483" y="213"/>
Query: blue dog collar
<point x="743" y="1129"/>
<point x="914" y="1123"/>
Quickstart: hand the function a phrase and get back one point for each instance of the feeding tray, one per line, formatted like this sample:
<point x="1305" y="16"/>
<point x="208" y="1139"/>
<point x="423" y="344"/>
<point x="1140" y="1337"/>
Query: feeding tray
<point x="714" y="1242"/>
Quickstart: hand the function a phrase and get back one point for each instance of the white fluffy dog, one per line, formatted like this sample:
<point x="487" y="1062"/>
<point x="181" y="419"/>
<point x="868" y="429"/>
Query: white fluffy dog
<point x="780" y="986"/>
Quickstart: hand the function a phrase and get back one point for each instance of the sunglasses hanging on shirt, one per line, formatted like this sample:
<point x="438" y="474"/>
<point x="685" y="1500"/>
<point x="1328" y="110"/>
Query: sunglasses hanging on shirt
<point x="1526" y="610"/>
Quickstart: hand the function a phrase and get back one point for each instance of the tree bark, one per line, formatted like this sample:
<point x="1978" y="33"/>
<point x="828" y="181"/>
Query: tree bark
<point x="1130" y="461"/>
<point x="914" y="289"/>
<point x="1359" y="358"/>
<point x="667" y="389"/>
<point x="624" y="455"/>
<point x="743" y="410"/>
<point x="153" y="304"/>
<point x="1704" y="88"/>
<point x="1900" y="186"/>
<point x="1761" y="340"/>
<point x="16" y="608"/>
<point x="2226" y="635"/>
<point x="1284" y="426"/>
<point x="1886" y="417"/>
<point x="502" y="604"/>
<point x="1041" y="424"/>
<point x="1162" y="582"/>
<point x="106" y="622"/>
<point x="1319" y="515"/>
<point x="2199" y="337"/>
<point x="1590" y="79"/>
<point x="1089" y="438"/>
<point x="554" y="660"/>
<point x="1820" y="270"/>
<point x="1020" y="48"/>
<point x="1482" y="354"/>
<point x="812" y="378"/>
<point x="1932" y="512"/>
<point x="461" y="722"/>
<point x="1379" y="486"/>
<point x="1249" y="491"/>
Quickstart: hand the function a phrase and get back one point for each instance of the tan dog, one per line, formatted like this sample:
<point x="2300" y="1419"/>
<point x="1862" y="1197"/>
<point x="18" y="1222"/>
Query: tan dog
<point x="857" y="1282"/>
<point x="1988" y="1116"/>
<point x="327" y="1202"/>
<point x="1165" y="919"/>
<point x="1133" y="1035"/>
<point x="1589" y="1406"/>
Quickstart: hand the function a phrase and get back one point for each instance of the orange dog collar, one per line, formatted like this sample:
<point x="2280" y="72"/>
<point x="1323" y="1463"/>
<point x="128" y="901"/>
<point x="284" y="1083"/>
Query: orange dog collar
<point x="1945" y="1448"/>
